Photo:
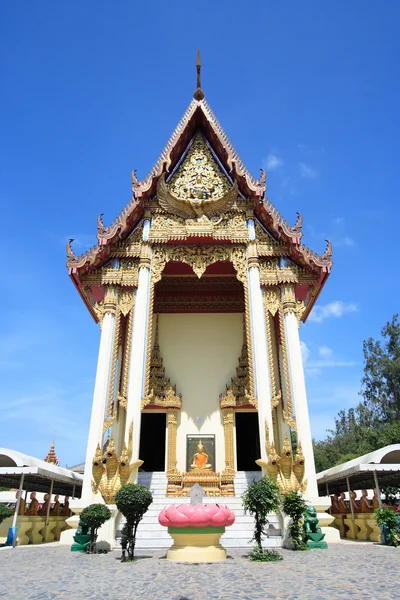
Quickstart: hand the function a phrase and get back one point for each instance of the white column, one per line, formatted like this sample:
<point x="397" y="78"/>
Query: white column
<point x="262" y="385"/>
<point x="100" y="395"/>
<point x="299" y="397"/>
<point x="137" y="364"/>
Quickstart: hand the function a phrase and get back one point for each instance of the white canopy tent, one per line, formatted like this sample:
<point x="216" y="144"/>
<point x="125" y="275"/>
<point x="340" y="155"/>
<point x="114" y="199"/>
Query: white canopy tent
<point x="373" y="470"/>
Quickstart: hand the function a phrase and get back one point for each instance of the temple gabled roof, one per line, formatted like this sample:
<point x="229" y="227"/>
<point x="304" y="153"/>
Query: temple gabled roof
<point x="199" y="117"/>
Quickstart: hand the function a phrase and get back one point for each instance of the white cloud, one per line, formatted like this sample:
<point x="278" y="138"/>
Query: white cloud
<point x="273" y="162"/>
<point x="307" y="172"/>
<point x="333" y="309"/>
<point x="325" y="351"/>
<point x="305" y="352"/>
<point x="345" y="241"/>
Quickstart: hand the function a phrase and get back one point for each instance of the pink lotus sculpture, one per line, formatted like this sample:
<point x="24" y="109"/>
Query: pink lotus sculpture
<point x="196" y="531"/>
<point x="200" y="515"/>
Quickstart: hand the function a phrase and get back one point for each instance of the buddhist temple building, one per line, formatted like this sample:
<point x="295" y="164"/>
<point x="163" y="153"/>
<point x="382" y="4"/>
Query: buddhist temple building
<point x="199" y="287"/>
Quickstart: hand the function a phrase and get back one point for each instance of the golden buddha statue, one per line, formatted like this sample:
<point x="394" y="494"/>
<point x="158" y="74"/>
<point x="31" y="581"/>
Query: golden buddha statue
<point x="200" y="459"/>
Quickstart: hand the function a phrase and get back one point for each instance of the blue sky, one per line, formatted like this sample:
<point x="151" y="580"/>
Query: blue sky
<point x="93" y="90"/>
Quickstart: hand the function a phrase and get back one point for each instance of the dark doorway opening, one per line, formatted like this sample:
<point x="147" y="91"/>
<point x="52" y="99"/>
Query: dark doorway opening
<point x="247" y="441"/>
<point x="152" y="441"/>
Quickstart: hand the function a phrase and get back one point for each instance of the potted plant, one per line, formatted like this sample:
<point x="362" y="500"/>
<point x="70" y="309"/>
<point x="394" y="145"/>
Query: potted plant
<point x="261" y="498"/>
<point x="132" y="501"/>
<point x="94" y="516"/>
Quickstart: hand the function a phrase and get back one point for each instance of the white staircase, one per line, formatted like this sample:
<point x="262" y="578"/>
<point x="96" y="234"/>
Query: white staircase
<point x="151" y="534"/>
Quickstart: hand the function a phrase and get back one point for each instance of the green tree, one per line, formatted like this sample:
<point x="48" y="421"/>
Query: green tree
<point x="381" y="381"/>
<point x="94" y="516"/>
<point x="375" y="421"/>
<point x="294" y="506"/>
<point x="261" y="498"/>
<point x="132" y="501"/>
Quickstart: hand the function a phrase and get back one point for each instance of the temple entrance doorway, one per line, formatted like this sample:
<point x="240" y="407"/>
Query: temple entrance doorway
<point x="247" y="441"/>
<point x="152" y="441"/>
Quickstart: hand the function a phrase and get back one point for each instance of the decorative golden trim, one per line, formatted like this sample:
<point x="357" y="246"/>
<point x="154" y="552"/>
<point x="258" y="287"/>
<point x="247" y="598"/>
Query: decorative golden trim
<point x="229" y="226"/>
<point x="248" y="339"/>
<point x="199" y="258"/>
<point x="162" y="393"/>
<point x="285" y="375"/>
<point x="122" y="397"/>
<point x="150" y="338"/>
<point x="112" y="392"/>
<point x="125" y="301"/>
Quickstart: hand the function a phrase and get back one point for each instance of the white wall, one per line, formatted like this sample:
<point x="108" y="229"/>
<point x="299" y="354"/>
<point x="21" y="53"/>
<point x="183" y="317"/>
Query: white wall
<point x="200" y="353"/>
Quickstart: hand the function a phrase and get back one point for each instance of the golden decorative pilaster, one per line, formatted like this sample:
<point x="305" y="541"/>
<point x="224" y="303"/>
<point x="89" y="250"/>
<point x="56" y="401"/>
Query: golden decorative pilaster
<point x="122" y="397"/>
<point x="228" y="474"/>
<point x="228" y="421"/>
<point x="172" y="418"/>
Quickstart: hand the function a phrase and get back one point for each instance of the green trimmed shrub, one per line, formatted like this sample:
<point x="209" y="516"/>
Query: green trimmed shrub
<point x="294" y="506"/>
<point x="132" y="501"/>
<point x="261" y="498"/>
<point x="388" y="520"/>
<point x="94" y="516"/>
<point x="5" y="512"/>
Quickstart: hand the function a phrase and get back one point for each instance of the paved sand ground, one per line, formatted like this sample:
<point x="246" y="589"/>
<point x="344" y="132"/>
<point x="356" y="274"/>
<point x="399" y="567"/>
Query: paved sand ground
<point x="345" y="571"/>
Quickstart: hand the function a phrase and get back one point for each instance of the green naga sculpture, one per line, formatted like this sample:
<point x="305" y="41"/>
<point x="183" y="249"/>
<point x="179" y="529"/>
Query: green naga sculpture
<point x="314" y="537"/>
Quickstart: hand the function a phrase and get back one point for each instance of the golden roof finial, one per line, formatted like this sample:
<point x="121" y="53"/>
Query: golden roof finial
<point x="199" y="94"/>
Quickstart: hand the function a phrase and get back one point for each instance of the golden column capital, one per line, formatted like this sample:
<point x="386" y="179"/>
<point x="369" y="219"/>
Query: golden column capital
<point x="252" y="254"/>
<point x="145" y="255"/>
<point x="288" y="299"/>
<point x="110" y="299"/>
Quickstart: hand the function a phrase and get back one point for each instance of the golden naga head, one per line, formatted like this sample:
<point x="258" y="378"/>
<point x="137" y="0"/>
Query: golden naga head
<point x="286" y="449"/>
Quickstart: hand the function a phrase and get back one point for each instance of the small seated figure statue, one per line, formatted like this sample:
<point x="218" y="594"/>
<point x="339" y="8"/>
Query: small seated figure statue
<point x="65" y="510"/>
<point x="21" y="508"/>
<point x="55" y="511"/>
<point x="200" y="459"/>
<point x="33" y="505"/>
<point x="343" y="508"/>
<point x="365" y="504"/>
<point x="43" y="510"/>
<point x="312" y="531"/>
<point x="354" y="502"/>
<point x="334" y="508"/>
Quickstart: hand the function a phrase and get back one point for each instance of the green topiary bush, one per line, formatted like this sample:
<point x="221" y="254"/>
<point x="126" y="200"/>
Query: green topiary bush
<point x="261" y="498"/>
<point x="94" y="516"/>
<point x="294" y="506"/>
<point x="132" y="501"/>
<point x="5" y="512"/>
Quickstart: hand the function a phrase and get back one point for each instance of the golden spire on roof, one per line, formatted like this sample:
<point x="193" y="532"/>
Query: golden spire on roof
<point x="199" y="94"/>
<point x="51" y="456"/>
